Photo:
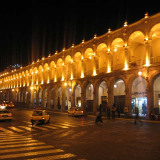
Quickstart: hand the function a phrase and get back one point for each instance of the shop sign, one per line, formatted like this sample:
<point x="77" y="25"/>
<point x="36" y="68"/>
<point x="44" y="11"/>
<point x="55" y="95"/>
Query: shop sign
<point x="139" y="93"/>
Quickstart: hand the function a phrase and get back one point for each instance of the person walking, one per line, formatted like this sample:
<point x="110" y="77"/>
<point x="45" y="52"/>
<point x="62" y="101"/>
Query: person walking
<point x="99" y="115"/>
<point x="137" y="115"/>
<point x="108" y="112"/>
<point x="126" y="111"/>
<point x="113" y="111"/>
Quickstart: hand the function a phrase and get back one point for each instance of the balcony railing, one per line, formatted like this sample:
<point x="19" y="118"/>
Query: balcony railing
<point x="155" y="60"/>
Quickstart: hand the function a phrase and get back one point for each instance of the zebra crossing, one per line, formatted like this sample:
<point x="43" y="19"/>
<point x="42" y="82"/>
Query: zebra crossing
<point x="52" y="126"/>
<point x="15" y="146"/>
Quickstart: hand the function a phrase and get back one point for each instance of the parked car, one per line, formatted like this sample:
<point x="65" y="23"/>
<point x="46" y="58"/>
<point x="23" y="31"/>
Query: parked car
<point x="40" y="116"/>
<point x="75" y="111"/>
<point x="5" y="115"/>
<point x="10" y="105"/>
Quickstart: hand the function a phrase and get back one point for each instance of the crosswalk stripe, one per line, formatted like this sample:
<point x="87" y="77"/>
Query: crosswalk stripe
<point x="6" y="130"/>
<point x="28" y="122"/>
<point x="64" y="134"/>
<point x="25" y="149"/>
<point x="15" y="129"/>
<point x="60" y="126"/>
<point x="31" y="153"/>
<point x="50" y="127"/>
<point x="54" y="157"/>
<point x="14" y="139"/>
<point x="69" y="125"/>
<point x="31" y="128"/>
<point x="27" y="128"/>
<point x="41" y="128"/>
<point x="16" y="142"/>
<point x="22" y="145"/>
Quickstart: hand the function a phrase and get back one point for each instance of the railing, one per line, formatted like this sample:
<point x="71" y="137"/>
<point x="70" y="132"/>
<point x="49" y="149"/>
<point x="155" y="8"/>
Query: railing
<point x="155" y="60"/>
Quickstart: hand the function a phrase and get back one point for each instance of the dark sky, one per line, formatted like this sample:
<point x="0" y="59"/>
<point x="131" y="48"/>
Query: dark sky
<point x="32" y="29"/>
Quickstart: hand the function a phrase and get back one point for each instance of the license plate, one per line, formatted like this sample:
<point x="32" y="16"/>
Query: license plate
<point x="5" y="116"/>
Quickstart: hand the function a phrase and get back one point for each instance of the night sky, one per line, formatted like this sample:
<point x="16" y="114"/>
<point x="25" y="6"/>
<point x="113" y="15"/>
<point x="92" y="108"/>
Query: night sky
<point x="32" y="29"/>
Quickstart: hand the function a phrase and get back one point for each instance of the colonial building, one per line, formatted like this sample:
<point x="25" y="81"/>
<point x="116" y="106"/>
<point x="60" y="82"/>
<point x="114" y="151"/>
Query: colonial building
<point x="121" y="67"/>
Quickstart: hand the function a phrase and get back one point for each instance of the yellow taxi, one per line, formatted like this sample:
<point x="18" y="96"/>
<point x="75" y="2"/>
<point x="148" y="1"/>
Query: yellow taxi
<point x="40" y="116"/>
<point x="5" y="115"/>
<point x="75" y="111"/>
<point x="10" y="105"/>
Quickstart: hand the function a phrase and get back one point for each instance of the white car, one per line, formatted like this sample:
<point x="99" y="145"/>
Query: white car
<point x="5" y="115"/>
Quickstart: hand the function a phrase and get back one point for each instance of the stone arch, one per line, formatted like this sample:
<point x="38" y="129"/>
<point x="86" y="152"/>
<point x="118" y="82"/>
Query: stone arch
<point x="35" y="71"/>
<point x="118" y="54"/>
<point x="46" y="73"/>
<point x="102" y="57"/>
<point x="101" y="88"/>
<point x="139" y="95"/>
<point x="88" y="56"/>
<point x="68" y="67"/>
<point x="137" y="48"/>
<point x="59" y="69"/>
<point x="77" y="94"/>
<point x="77" y="65"/>
<point x="88" y="89"/>
<point x="52" y="69"/>
<point x="155" y="47"/>
<point x="154" y="86"/>
<point x="40" y="75"/>
<point x="119" y="95"/>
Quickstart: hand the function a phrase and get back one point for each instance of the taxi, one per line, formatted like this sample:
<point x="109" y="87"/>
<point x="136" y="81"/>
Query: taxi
<point x="5" y="115"/>
<point x="10" y="105"/>
<point x="40" y="116"/>
<point x="75" y="111"/>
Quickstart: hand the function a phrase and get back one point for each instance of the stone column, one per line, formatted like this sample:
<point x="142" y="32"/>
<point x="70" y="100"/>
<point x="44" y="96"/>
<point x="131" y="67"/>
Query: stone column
<point x="95" y="101"/>
<point x="42" y="98"/>
<point x="128" y="97"/>
<point x="126" y="65"/>
<point x="83" y="99"/>
<point x="49" y="98"/>
<point x="72" y="96"/>
<point x="94" y="66"/>
<point x="55" y="98"/>
<point x="148" y="55"/>
<point x="108" y="62"/>
<point x="150" y="98"/>
<point x="37" y="98"/>
<point x="110" y="95"/>
<point x="82" y="68"/>
<point x="63" y="97"/>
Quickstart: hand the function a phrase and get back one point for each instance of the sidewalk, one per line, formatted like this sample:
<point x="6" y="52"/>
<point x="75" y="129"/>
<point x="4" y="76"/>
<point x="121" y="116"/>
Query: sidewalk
<point x="104" y="117"/>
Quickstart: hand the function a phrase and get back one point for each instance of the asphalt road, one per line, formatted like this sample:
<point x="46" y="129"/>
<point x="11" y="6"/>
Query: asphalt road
<point x="78" y="138"/>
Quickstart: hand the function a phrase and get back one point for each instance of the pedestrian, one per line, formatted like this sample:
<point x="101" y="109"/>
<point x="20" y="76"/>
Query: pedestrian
<point x="118" y="111"/>
<point x="108" y="112"/>
<point x="99" y="115"/>
<point x="113" y="111"/>
<point x="126" y="111"/>
<point x="137" y="115"/>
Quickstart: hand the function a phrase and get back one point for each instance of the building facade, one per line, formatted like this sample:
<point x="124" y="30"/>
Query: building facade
<point x="121" y="67"/>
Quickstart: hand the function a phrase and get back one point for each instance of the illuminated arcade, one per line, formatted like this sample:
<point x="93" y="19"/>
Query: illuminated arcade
<point x="121" y="67"/>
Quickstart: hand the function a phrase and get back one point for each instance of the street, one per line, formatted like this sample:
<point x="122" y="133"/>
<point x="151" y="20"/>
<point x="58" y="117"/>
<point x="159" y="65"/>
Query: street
<point x="78" y="138"/>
